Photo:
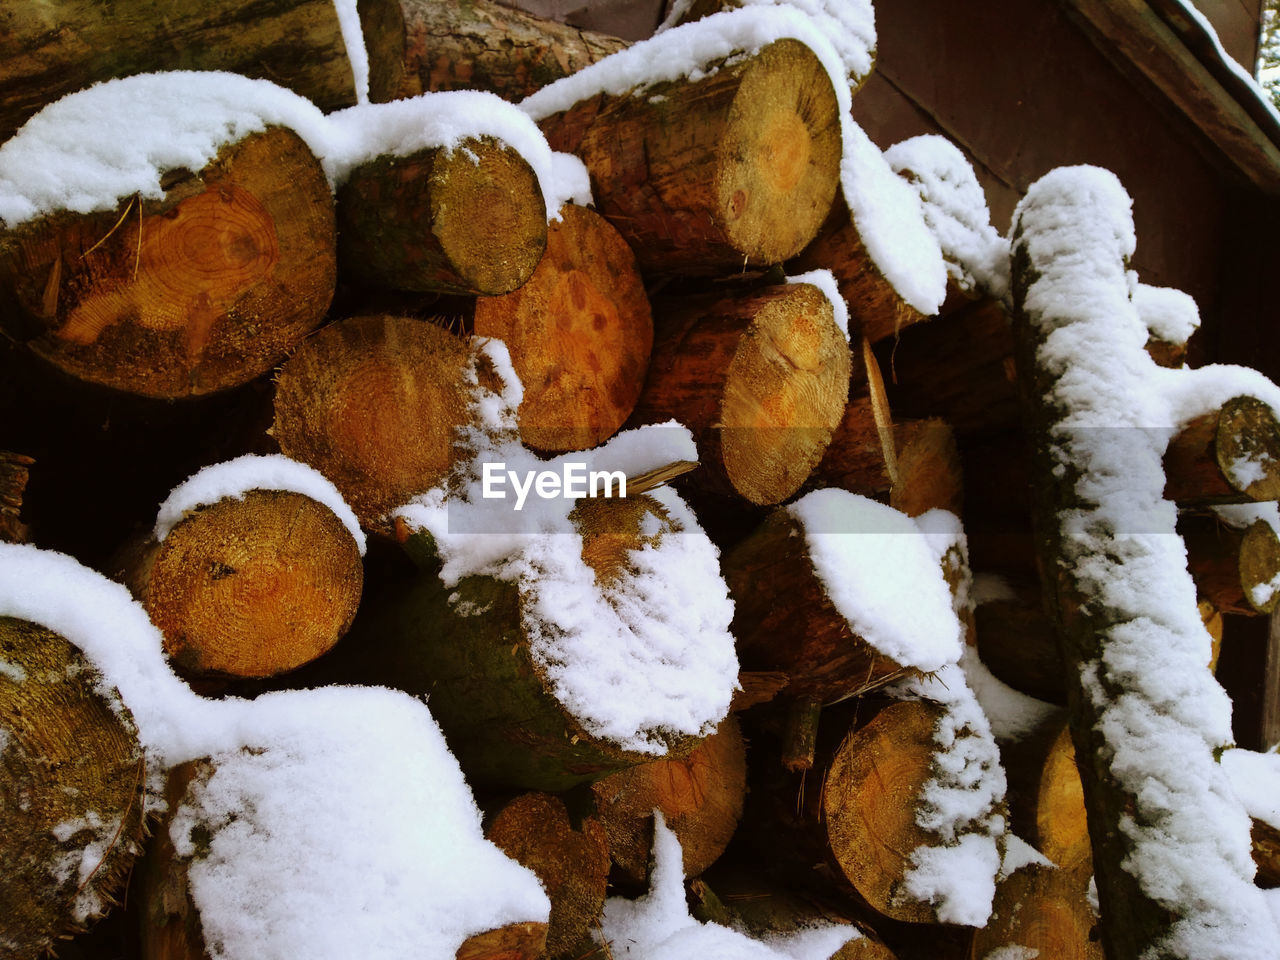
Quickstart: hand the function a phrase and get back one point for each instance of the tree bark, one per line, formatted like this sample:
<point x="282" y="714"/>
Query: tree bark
<point x="373" y="403"/>
<point x="704" y="177"/>
<point x="14" y="473"/>
<point x="204" y="290"/>
<point x="700" y="796"/>
<point x="467" y="220"/>
<point x="579" y="332"/>
<point x="1232" y="566"/>
<point x="760" y="380"/>
<point x="251" y="587"/>
<point x="417" y="46"/>
<point x="1231" y="455"/>
<point x="573" y="864"/>
<point x="71" y="780"/>
<point x="51" y="49"/>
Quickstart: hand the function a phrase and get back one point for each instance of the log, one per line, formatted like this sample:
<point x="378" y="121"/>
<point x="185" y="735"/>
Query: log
<point x="1233" y="567"/>
<point x="929" y="472"/>
<point x="1231" y="455"/>
<point x="1266" y="853"/>
<point x="761" y="380"/>
<point x="579" y="332"/>
<point x="876" y="309"/>
<point x="417" y="46"/>
<point x="861" y="456"/>
<point x="467" y="220"/>
<point x="700" y="796"/>
<point x="1017" y="643"/>
<point x="373" y="403"/>
<point x="573" y="864"/>
<point x="14" y="473"/>
<point x="201" y="291"/>
<point x="71" y="782"/>
<point x="251" y="587"/>
<point x="870" y="794"/>
<point x="784" y="621"/>
<point x="1039" y="908"/>
<point x="704" y="177"/>
<point x="468" y="647"/>
<point x="51" y="49"/>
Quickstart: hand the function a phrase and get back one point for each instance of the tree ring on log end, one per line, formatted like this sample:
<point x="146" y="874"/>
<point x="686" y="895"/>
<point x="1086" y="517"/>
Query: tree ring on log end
<point x="784" y="395"/>
<point x="71" y="782"/>
<point x="1259" y="562"/>
<point x="373" y="404"/>
<point x="199" y="292"/>
<point x="580" y="333"/>
<point x="779" y="157"/>
<point x="1247" y="447"/>
<point x="256" y="586"/>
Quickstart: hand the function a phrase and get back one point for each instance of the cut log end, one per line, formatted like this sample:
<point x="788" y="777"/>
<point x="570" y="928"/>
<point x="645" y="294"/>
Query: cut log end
<point x="373" y="403"/>
<point x="777" y="153"/>
<point x="71" y="780"/>
<point x="612" y="528"/>
<point x="1231" y="455"/>
<point x="573" y="865"/>
<point x="470" y="220"/>
<point x="204" y="291"/>
<point x="579" y="332"/>
<point x="784" y="394"/>
<point x="14" y="473"/>
<point x="1043" y="911"/>
<point x="874" y="785"/>
<point x="515" y="941"/>
<point x="254" y="587"/>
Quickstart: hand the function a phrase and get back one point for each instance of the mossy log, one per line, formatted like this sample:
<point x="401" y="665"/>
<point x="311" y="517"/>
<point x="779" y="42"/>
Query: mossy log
<point x="418" y="46"/>
<point x="573" y="864"/>
<point x="579" y="332"/>
<point x="51" y="49"/>
<point x="251" y="587"/>
<point x="700" y="796"/>
<point x="374" y="403"/>
<point x="469" y="649"/>
<point x="467" y="220"/>
<point x="876" y="310"/>
<point x="1231" y="455"/>
<point x="705" y="177"/>
<point x="1233" y="567"/>
<point x="14" y="473"/>
<point x="203" y="290"/>
<point x="784" y="621"/>
<point x="761" y="380"/>
<point x="71" y="781"/>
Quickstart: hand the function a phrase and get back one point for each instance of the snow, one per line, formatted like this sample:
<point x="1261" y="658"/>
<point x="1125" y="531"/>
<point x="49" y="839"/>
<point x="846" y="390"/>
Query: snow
<point x="1161" y="716"/>
<point x="1255" y="778"/>
<point x="849" y="24"/>
<point x="353" y="40"/>
<point x="343" y="829"/>
<point x="618" y="656"/>
<point x="1012" y="952"/>
<point x="658" y="926"/>
<point x="955" y="210"/>
<point x="825" y="281"/>
<point x="234" y="478"/>
<point x="72" y="156"/>
<point x="1018" y="854"/>
<point x="82" y="861"/>
<point x="1170" y="315"/>
<point x="337" y="818"/>
<point x="1012" y="714"/>
<point x="1258" y="91"/>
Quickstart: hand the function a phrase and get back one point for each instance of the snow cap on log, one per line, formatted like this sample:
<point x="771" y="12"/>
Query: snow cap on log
<point x="658" y="925"/>
<point x="642" y="657"/>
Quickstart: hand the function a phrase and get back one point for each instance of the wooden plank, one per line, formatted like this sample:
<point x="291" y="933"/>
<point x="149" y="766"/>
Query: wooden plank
<point x="1271" y="687"/>
<point x="1134" y="33"/>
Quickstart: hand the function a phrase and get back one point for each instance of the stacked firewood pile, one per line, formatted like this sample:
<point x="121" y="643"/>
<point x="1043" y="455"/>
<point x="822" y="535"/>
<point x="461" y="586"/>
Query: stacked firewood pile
<point x="295" y="298"/>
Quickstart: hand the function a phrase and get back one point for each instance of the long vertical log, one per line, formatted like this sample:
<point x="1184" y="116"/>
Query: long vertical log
<point x="417" y="46"/>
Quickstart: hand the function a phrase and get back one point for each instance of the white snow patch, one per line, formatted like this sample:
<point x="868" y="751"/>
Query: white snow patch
<point x="658" y="925"/>
<point x="13" y="671"/>
<point x="825" y="281"/>
<point x="90" y="149"/>
<point x="1255" y="778"/>
<point x="1169" y="315"/>
<point x="955" y="210"/>
<point x="234" y="478"/>
<point x="353" y="40"/>
<point x="1012" y="714"/>
<point x="1012" y="952"/>
<point x="1244" y="471"/>
<point x="882" y="575"/>
<point x="1241" y="515"/>
<point x="849" y="24"/>
<point x="1161" y="714"/>
<point x="345" y="829"/>
<point x="1018" y="854"/>
<point x="79" y="864"/>
<point x="643" y="657"/>
<point x="959" y="878"/>
<point x="570" y="181"/>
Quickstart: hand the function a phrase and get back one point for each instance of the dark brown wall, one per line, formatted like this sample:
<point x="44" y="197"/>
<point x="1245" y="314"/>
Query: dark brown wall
<point x="1019" y="86"/>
